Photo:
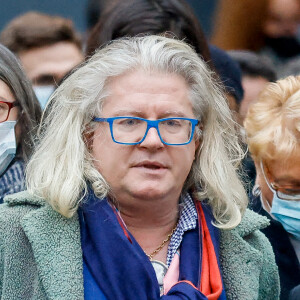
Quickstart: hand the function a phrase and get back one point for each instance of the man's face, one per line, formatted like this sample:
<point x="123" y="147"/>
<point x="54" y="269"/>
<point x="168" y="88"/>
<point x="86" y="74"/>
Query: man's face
<point x="47" y="65"/>
<point x="150" y="170"/>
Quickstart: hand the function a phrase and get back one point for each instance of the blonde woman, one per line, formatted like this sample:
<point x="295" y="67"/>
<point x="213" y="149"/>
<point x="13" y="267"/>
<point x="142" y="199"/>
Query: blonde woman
<point x="273" y="129"/>
<point x="133" y="192"/>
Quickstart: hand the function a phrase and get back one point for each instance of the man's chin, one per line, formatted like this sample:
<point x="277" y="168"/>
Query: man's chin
<point x="150" y="193"/>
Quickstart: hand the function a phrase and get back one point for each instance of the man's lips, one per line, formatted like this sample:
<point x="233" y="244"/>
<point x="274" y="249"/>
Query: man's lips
<point x="154" y="165"/>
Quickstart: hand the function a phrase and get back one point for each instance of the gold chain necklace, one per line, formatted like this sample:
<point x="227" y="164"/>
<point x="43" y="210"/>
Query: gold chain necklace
<point x="152" y="254"/>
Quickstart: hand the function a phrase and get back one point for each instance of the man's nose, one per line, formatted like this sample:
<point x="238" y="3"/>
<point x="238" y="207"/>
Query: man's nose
<point x="152" y="139"/>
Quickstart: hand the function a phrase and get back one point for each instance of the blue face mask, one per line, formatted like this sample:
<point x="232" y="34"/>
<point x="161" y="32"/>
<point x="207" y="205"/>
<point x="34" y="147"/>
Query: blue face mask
<point x="7" y="144"/>
<point x="43" y="93"/>
<point x="287" y="212"/>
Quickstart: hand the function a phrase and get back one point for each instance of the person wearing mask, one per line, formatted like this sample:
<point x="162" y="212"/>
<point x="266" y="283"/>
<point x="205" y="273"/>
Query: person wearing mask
<point x="47" y="46"/>
<point x="272" y="29"/>
<point x="20" y="113"/>
<point x="133" y="191"/>
<point x="273" y="133"/>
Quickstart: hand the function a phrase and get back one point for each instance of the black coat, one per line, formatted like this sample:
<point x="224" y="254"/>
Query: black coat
<point x="295" y="293"/>
<point x="285" y="255"/>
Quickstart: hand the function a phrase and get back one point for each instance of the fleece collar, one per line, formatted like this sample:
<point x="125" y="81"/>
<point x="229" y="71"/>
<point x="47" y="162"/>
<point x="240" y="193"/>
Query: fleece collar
<point x="251" y="222"/>
<point x="55" y="242"/>
<point x="24" y="198"/>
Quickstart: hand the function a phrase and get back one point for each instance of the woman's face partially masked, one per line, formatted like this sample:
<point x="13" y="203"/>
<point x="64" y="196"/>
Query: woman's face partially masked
<point x="283" y="19"/>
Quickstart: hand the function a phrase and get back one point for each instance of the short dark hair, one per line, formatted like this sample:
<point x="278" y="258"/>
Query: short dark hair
<point x="137" y="17"/>
<point x="13" y="75"/>
<point x="254" y="65"/>
<point x="94" y="9"/>
<point x="35" y="29"/>
<point x="229" y="72"/>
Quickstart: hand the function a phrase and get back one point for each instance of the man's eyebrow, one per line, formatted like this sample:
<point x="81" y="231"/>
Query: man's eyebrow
<point x="127" y="112"/>
<point x="139" y="113"/>
<point x="174" y="113"/>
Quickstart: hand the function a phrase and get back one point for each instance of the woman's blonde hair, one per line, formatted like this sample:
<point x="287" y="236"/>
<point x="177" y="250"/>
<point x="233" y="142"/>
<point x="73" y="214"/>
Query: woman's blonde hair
<point x="62" y="166"/>
<point x="273" y="122"/>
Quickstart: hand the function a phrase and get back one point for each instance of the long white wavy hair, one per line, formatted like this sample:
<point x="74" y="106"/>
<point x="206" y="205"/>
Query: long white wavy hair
<point x="62" y="166"/>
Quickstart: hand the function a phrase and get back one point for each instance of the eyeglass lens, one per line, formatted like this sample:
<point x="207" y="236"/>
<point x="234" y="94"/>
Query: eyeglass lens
<point x="282" y="193"/>
<point x="173" y="131"/>
<point x="4" y="111"/>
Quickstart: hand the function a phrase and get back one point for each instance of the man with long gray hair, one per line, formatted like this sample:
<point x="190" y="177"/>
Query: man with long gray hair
<point x="133" y="191"/>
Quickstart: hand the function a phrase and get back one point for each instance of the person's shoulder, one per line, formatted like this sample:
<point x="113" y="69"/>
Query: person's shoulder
<point x="248" y="259"/>
<point x="249" y="230"/>
<point x="251" y="222"/>
<point x="22" y="199"/>
<point x="248" y="238"/>
<point x="16" y="206"/>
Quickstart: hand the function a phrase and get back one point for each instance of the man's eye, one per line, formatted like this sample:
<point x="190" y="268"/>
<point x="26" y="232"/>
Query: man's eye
<point x="129" y="122"/>
<point x="173" y="123"/>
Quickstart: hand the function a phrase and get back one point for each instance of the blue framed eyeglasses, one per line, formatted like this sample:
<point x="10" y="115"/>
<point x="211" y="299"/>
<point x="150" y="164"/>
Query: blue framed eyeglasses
<point x="133" y="130"/>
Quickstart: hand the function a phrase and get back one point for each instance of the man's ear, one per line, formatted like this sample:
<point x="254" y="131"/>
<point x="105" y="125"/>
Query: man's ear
<point x="199" y="135"/>
<point x="88" y="138"/>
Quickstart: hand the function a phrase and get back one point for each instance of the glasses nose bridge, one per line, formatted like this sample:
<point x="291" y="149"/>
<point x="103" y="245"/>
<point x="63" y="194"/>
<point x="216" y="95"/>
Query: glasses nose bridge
<point x="152" y="124"/>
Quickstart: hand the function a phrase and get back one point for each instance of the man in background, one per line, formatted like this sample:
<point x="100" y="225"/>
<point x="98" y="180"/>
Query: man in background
<point x="48" y="47"/>
<point x="257" y="72"/>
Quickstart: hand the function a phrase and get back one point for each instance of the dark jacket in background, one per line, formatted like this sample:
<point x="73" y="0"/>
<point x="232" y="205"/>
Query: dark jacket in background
<point x="295" y="293"/>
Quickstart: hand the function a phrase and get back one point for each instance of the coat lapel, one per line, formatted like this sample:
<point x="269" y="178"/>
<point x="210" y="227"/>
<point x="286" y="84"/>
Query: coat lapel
<point x="241" y="261"/>
<point x="55" y="241"/>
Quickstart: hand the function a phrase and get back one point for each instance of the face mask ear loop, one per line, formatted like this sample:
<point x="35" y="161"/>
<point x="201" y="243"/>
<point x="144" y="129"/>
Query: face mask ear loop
<point x="266" y="206"/>
<point x="266" y="180"/>
<point x="265" y="203"/>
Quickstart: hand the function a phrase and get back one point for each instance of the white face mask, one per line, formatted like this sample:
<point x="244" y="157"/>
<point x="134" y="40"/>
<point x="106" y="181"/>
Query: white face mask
<point x="7" y="144"/>
<point x="43" y="93"/>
